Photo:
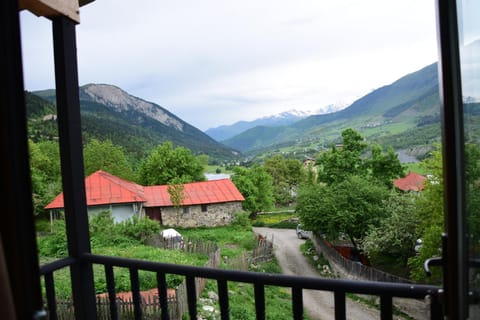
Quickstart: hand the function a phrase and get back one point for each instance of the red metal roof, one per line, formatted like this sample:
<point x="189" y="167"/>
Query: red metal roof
<point x="412" y="182"/>
<point x="205" y="192"/>
<point x="103" y="188"/>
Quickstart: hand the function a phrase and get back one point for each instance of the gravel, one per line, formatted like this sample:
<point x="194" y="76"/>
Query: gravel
<point x="317" y="304"/>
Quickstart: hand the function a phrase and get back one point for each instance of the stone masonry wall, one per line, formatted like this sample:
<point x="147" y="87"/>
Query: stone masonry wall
<point x="218" y="214"/>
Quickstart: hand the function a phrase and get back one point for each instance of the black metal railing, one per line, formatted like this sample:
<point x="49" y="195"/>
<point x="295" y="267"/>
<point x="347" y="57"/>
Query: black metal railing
<point x="385" y="291"/>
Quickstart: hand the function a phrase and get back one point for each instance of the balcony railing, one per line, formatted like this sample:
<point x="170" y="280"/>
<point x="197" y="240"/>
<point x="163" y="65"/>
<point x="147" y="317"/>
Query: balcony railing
<point x="385" y="291"/>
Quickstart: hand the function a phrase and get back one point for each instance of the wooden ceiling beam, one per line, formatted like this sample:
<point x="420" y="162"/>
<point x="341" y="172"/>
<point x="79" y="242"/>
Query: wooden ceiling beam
<point x="54" y="8"/>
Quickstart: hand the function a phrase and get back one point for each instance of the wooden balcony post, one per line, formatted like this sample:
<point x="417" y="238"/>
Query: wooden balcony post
<point x="73" y="179"/>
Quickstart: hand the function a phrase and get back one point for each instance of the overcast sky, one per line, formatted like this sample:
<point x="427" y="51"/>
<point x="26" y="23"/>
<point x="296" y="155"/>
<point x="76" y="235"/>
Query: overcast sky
<point x="215" y="62"/>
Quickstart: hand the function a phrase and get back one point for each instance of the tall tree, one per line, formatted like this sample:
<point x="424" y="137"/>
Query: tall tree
<point x="166" y="164"/>
<point x="104" y="155"/>
<point x="255" y="184"/>
<point x="287" y="174"/>
<point x="343" y="160"/>
<point x="350" y="207"/>
<point x="177" y="196"/>
<point x="385" y="167"/>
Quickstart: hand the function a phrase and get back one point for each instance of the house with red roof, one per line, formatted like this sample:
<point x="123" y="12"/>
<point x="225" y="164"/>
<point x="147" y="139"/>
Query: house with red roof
<point x="411" y="182"/>
<point x="206" y="203"/>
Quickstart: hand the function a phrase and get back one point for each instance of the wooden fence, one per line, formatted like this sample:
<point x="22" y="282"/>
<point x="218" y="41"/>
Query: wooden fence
<point x="351" y="269"/>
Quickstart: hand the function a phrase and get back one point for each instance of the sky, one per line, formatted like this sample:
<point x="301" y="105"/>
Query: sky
<point x="215" y="62"/>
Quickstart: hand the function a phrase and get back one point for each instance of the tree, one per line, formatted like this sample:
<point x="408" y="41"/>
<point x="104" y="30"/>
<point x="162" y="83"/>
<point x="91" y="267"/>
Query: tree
<point x="104" y="155"/>
<point x="430" y="212"/>
<point x="177" y="196"/>
<point x="385" y="167"/>
<point x="166" y="163"/>
<point x="343" y="161"/>
<point x="350" y="207"/>
<point x="255" y="184"/>
<point x="395" y="236"/>
<point x="45" y="173"/>
<point x="287" y="174"/>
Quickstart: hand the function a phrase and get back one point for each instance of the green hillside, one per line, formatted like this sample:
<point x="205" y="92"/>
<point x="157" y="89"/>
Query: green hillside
<point x="404" y="114"/>
<point x="130" y="128"/>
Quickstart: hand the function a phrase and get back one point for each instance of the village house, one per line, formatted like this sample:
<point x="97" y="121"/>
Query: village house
<point x="412" y="182"/>
<point x="206" y="203"/>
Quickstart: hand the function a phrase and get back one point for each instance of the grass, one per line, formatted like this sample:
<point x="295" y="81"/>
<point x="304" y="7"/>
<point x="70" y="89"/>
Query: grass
<point x="280" y="219"/>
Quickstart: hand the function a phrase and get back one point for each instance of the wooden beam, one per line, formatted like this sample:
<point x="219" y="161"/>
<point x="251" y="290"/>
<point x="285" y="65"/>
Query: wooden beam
<point x="53" y="8"/>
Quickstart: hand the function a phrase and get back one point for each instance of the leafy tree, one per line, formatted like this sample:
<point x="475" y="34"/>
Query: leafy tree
<point x="104" y="155"/>
<point x="343" y="161"/>
<point x="395" y="236"/>
<point x="287" y="174"/>
<point x="177" y="196"/>
<point x="45" y="173"/>
<point x="350" y="207"/>
<point x="255" y="184"/>
<point x="385" y="167"/>
<point x="166" y="163"/>
<point x="430" y="217"/>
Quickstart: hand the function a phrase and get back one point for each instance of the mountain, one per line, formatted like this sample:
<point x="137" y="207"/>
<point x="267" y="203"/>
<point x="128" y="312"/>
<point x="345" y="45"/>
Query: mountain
<point x="410" y="104"/>
<point x="108" y="112"/>
<point x="225" y="132"/>
<point x="285" y="118"/>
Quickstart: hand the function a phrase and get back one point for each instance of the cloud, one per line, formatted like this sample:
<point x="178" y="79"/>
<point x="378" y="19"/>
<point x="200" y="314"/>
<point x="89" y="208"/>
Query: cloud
<point x="200" y="58"/>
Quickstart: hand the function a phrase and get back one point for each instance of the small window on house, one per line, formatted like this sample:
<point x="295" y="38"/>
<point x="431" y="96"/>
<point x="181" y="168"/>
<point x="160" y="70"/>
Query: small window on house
<point x="186" y="210"/>
<point x="204" y="208"/>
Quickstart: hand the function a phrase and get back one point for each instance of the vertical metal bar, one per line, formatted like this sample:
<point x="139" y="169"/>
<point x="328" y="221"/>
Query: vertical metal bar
<point x="112" y="298"/>
<point x="17" y="229"/>
<point x="259" y="290"/>
<point x="68" y="110"/>
<point x="223" y="299"/>
<point x="191" y="297"/>
<point x="51" y="300"/>
<point x="453" y="159"/>
<point x="135" y="287"/>
<point x="436" y="307"/>
<point x="163" y="294"/>
<point x="297" y="303"/>
<point x="340" y="305"/>
<point x="386" y="307"/>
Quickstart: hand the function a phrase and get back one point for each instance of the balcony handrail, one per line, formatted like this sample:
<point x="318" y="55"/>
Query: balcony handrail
<point x="353" y="286"/>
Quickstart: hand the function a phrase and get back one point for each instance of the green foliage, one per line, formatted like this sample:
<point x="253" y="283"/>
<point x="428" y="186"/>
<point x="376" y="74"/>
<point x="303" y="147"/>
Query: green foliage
<point x="242" y="220"/>
<point x="385" y="167"/>
<point x="287" y="175"/>
<point x="255" y="184"/>
<point x="166" y="163"/>
<point x="350" y="207"/>
<point x="336" y="165"/>
<point x="395" y="235"/>
<point x="104" y="155"/>
<point x="104" y="232"/>
<point x="177" y="195"/>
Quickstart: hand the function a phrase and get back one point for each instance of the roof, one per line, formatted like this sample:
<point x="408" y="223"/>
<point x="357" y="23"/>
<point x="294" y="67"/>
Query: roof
<point x="411" y="182"/>
<point x="205" y="192"/>
<point x="103" y="188"/>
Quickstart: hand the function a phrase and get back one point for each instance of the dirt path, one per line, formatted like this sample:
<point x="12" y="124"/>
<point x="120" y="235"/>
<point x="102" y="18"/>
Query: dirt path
<point x="318" y="304"/>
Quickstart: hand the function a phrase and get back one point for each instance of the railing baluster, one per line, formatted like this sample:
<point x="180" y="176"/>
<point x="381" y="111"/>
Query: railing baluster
<point x="223" y="299"/>
<point x="386" y="307"/>
<point x="297" y="303"/>
<point x="135" y="287"/>
<point x="191" y="297"/>
<point x="111" y="292"/>
<point x="162" y="294"/>
<point x="340" y="307"/>
<point x="259" y="301"/>
<point x="51" y="300"/>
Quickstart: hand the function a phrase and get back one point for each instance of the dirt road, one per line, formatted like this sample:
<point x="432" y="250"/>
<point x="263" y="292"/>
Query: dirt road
<point x="318" y="304"/>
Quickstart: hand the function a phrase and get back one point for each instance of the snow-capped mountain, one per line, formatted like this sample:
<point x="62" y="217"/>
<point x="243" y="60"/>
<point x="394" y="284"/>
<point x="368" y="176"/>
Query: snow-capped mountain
<point x="225" y="132"/>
